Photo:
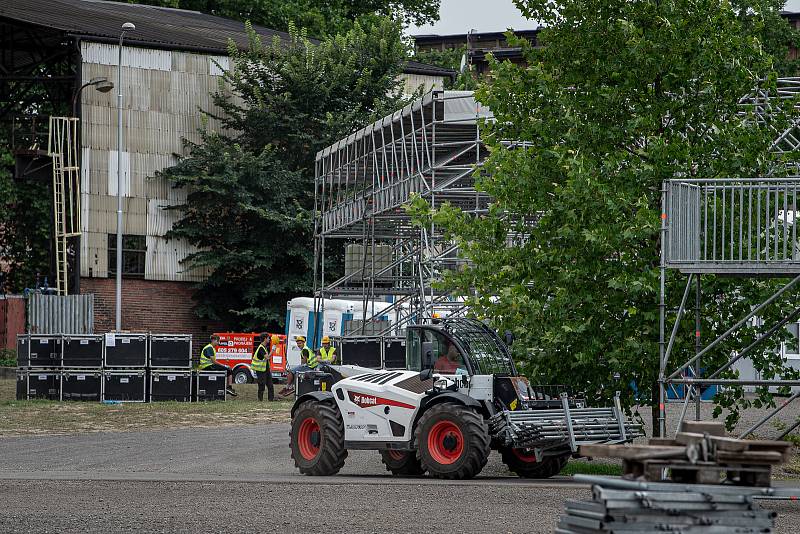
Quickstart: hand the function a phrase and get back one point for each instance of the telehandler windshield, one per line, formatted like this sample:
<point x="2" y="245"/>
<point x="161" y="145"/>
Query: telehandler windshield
<point x="458" y="346"/>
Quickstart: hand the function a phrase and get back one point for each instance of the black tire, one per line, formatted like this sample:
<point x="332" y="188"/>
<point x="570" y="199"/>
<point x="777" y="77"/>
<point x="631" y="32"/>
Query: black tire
<point x="452" y="441"/>
<point x="522" y="463"/>
<point x="402" y="463"/>
<point x="316" y="439"/>
<point x="242" y="376"/>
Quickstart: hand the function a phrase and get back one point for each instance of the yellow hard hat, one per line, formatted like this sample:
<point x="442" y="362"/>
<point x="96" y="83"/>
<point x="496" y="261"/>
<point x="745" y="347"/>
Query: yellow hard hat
<point x="300" y="338"/>
<point x="326" y="339"/>
<point x="275" y="339"/>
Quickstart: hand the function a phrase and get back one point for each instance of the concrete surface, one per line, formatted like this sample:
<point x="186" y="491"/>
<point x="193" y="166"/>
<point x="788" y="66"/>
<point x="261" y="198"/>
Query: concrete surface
<point x="242" y="479"/>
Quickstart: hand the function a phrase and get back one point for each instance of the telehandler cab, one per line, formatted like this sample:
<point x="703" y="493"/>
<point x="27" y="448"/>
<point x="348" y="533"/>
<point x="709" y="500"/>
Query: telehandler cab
<point x="459" y="398"/>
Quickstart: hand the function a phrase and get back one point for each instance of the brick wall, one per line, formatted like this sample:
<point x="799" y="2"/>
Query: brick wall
<point x="159" y="307"/>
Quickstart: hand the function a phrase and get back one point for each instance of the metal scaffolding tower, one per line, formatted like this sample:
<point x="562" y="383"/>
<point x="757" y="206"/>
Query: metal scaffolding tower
<point x="729" y="227"/>
<point x="739" y="227"/>
<point x="62" y="148"/>
<point x="431" y="148"/>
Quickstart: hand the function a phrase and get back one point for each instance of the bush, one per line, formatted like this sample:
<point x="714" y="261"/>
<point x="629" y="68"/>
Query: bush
<point x="8" y="358"/>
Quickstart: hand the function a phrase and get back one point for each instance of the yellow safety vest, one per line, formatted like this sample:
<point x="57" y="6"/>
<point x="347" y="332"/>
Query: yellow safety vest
<point x="205" y="361"/>
<point x="327" y="355"/>
<point x="259" y="364"/>
<point x="311" y="358"/>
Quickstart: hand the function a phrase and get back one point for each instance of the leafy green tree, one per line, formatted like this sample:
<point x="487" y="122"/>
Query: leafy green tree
<point x="25" y="227"/>
<point x="620" y="96"/>
<point x="319" y="17"/>
<point x="250" y="207"/>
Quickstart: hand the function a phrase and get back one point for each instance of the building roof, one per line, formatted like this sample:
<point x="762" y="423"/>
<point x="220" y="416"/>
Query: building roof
<point x="475" y="36"/>
<point x="415" y="67"/>
<point x="156" y="27"/>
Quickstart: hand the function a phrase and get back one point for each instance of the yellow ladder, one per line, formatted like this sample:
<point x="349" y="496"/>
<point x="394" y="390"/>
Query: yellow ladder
<point x="62" y="148"/>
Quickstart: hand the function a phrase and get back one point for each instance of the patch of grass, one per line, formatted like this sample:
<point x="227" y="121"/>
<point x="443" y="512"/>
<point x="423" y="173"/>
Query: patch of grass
<point x="575" y="467"/>
<point x="51" y="417"/>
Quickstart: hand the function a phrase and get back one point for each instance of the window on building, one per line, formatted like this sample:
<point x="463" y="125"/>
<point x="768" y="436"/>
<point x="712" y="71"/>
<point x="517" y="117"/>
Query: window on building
<point x="134" y="249"/>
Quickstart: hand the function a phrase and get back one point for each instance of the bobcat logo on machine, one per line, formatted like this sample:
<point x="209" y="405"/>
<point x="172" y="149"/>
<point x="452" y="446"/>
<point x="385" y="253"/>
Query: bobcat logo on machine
<point x="364" y="400"/>
<point x="368" y="401"/>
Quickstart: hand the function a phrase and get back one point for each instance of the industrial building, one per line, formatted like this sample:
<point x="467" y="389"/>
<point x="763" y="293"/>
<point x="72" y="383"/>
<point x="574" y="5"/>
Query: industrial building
<point x="172" y="63"/>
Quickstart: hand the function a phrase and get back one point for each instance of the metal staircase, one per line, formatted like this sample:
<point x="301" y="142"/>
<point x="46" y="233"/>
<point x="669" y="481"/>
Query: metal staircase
<point x="62" y="148"/>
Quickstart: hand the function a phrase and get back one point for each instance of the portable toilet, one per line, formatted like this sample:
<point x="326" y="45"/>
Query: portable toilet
<point x="333" y="314"/>
<point x="303" y="320"/>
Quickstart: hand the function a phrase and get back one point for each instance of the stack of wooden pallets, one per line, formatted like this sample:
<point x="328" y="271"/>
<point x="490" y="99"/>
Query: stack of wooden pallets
<point x="701" y="454"/>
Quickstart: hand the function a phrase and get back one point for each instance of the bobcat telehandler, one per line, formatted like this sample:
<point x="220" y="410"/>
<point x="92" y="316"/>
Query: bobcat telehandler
<point x="459" y="398"/>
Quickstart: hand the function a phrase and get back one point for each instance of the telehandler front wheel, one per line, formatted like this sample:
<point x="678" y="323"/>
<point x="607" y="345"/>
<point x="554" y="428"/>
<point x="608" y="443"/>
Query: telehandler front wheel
<point x="452" y="441"/>
<point x="402" y="463"/>
<point x="523" y="463"/>
<point x="316" y="439"/>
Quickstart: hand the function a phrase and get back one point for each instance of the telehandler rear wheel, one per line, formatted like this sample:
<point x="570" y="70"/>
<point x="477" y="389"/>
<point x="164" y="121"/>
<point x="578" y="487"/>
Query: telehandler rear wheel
<point x="452" y="441"/>
<point x="317" y="439"/>
<point x="523" y="463"/>
<point x="403" y="463"/>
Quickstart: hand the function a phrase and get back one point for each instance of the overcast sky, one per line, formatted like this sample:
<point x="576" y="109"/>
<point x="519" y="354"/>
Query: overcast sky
<point x="460" y="16"/>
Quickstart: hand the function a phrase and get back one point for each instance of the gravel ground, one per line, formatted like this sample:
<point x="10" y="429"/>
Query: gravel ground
<point x="32" y="506"/>
<point x="242" y="479"/>
<point x="252" y="452"/>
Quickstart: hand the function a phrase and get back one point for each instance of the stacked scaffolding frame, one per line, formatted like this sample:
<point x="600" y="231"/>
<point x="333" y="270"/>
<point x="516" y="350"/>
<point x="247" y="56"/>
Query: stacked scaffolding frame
<point x="430" y="148"/>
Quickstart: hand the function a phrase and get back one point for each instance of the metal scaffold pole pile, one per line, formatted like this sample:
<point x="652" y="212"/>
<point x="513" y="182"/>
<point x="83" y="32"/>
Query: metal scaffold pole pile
<point x="646" y="507"/>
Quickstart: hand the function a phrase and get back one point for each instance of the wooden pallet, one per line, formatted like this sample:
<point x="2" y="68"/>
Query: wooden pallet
<point x="699" y="454"/>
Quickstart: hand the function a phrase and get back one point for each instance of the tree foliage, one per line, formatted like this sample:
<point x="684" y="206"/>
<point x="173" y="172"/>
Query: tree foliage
<point x="25" y="227"/>
<point x="620" y="97"/>
<point x="319" y="17"/>
<point x="250" y="206"/>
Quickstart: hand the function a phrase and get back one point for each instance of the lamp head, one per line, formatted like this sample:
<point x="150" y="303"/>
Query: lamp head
<point x="104" y="86"/>
<point x="101" y="84"/>
<point x="128" y="27"/>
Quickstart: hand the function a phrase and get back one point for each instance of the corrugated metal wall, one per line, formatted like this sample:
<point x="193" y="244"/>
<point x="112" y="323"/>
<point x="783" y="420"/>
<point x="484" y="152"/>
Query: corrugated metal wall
<point x="163" y="91"/>
<point x="12" y="320"/>
<point x="50" y="314"/>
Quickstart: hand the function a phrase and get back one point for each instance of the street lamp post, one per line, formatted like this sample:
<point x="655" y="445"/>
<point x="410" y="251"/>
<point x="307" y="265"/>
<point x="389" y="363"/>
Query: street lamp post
<point x="102" y="85"/>
<point x="125" y="28"/>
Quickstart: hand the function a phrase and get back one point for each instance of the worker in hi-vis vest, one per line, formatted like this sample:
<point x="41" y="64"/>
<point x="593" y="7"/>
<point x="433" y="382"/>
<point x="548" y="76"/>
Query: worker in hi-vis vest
<point x="260" y="365"/>
<point x="208" y="362"/>
<point x="308" y="362"/>
<point x="327" y="354"/>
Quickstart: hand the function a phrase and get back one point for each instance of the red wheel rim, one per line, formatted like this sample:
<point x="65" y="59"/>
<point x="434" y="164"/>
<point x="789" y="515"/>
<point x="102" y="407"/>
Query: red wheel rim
<point x="526" y="455"/>
<point x="397" y="455"/>
<point x="445" y="442"/>
<point x="308" y="438"/>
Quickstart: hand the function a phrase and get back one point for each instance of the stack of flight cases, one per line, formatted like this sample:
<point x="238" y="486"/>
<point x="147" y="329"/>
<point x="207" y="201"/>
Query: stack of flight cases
<point x="119" y="367"/>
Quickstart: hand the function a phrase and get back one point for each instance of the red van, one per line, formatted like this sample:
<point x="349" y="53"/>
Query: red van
<point x="236" y="351"/>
